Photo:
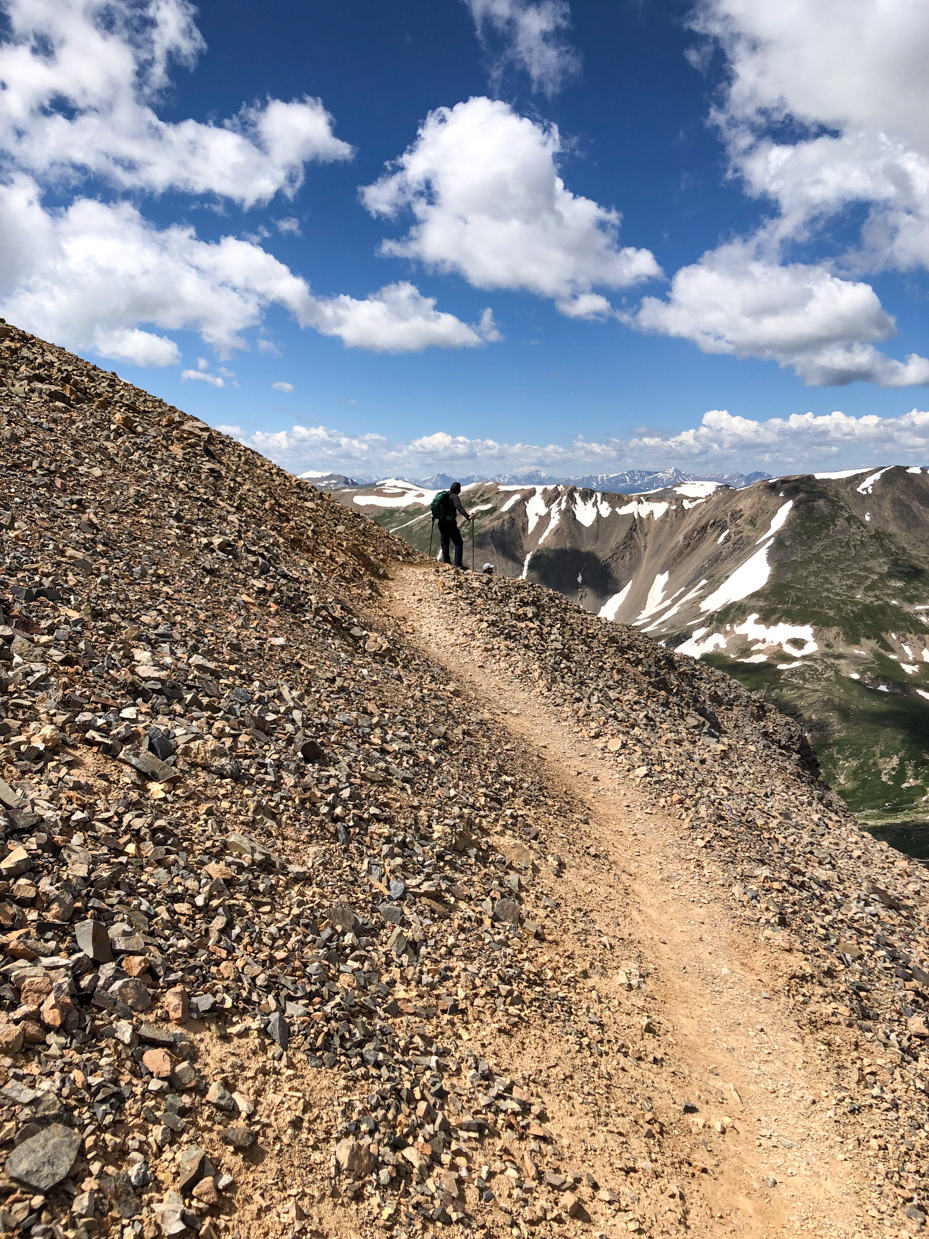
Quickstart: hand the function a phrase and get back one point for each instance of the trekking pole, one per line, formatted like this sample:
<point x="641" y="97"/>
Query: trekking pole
<point x="431" y="531"/>
<point x="472" y="543"/>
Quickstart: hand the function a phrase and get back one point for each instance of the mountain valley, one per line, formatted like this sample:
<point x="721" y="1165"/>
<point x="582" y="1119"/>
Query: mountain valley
<point x="811" y="590"/>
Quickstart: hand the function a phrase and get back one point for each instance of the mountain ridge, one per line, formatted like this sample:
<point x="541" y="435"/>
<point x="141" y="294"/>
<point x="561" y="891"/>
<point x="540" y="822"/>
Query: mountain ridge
<point x="812" y="589"/>
<point x="304" y="931"/>
<point x="632" y="481"/>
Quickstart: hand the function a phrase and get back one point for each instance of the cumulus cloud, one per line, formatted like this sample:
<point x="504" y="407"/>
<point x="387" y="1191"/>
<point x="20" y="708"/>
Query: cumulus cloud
<point x="81" y="79"/>
<point x="397" y="319"/>
<point x="282" y="386"/>
<point x="824" y="107"/>
<point x="528" y="34"/>
<point x="827" y="104"/>
<point x="721" y="442"/>
<point x="735" y="301"/>
<point x="482" y="184"/>
<point x="87" y="277"/>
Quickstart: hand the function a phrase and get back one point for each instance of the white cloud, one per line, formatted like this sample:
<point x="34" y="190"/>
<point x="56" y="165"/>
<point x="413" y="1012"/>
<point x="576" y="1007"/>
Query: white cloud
<point x="826" y="105"/>
<point x="531" y="36"/>
<point x="848" y="78"/>
<point x="482" y="183"/>
<point x="289" y="225"/>
<point x="88" y="275"/>
<point x="722" y="441"/>
<point x="282" y="386"/>
<point x="204" y="376"/>
<point x="735" y="301"/>
<point x="848" y="64"/>
<point x="397" y="319"/>
<point x="81" y="78"/>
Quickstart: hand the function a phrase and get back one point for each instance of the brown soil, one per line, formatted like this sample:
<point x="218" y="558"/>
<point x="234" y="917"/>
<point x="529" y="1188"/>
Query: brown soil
<point x="736" y="1088"/>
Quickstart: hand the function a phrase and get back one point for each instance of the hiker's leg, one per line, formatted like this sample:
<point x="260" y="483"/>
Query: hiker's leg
<point x="459" y="545"/>
<point x="444" y="534"/>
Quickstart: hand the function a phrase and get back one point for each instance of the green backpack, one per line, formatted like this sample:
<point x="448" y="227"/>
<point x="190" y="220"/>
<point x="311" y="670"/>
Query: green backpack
<point x="442" y="508"/>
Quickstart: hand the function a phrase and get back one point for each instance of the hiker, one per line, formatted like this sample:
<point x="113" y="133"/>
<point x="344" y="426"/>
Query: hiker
<point x="445" y="508"/>
<point x="488" y="570"/>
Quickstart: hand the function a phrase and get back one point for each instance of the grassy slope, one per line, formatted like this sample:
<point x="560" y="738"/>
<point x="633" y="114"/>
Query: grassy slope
<point x="838" y="573"/>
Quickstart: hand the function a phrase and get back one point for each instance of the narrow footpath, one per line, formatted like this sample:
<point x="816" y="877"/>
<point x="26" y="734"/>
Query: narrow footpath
<point x="737" y="1091"/>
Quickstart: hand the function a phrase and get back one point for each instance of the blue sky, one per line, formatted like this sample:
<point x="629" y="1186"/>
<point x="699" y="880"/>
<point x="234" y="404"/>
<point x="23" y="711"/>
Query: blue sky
<point x="484" y="235"/>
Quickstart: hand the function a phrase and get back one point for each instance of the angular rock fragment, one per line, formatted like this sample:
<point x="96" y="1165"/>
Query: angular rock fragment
<point x="45" y="1159"/>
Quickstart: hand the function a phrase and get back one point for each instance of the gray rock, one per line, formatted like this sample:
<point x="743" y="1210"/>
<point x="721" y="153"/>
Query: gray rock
<point x="133" y="993"/>
<point x="240" y="1137"/>
<point x="44" y="1160"/>
<point x="190" y="1167"/>
<point x="342" y="917"/>
<point x="94" y="941"/>
<point x="390" y="912"/>
<point x="278" y="1030"/>
<point x="506" y="910"/>
<point x="220" y="1097"/>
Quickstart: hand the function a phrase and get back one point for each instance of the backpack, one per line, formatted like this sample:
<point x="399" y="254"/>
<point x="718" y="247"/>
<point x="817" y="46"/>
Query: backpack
<point x="442" y="508"/>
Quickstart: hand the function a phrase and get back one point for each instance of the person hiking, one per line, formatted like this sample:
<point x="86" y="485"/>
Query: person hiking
<point x="445" y="508"/>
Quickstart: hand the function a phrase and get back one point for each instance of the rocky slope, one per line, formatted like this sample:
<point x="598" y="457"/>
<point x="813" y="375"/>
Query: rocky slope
<point x="813" y="591"/>
<point x="283" y="943"/>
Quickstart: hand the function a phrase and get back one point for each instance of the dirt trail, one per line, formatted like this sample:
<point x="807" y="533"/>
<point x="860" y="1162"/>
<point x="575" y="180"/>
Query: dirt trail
<point x="728" y="1044"/>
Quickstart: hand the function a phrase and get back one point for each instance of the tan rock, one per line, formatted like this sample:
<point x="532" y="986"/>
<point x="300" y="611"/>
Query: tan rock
<point x="55" y="1009"/>
<point x="135" y="965"/>
<point x="206" y="1192"/>
<point x="15" y="863"/>
<point x="34" y="991"/>
<point x="177" y="1004"/>
<point x="11" y="1037"/>
<point x="158" y="1063"/>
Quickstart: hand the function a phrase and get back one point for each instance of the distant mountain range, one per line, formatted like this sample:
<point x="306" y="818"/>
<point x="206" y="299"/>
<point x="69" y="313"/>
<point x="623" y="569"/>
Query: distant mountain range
<point x="631" y="482"/>
<point x="812" y="589"/>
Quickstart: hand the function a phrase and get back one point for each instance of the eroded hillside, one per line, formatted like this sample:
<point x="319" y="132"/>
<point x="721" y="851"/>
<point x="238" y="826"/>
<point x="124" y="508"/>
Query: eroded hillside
<point x="304" y="932"/>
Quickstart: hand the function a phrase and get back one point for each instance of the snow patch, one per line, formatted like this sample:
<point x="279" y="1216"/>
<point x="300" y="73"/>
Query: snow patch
<point x="867" y="516"/>
<point x="509" y="503"/>
<point x="922" y="693"/>
<point x="779" y="634"/>
<point x="748" y="579"/>
<point x="525" y="571"/>
<point x="697" y="490"/>
<point x="840" y="473"/>
<point x="536" y="507"/>
<point x="910" y="668"/>
<point x="722" y="537"/>
<point x="586" y="510"/>
<point x="788" y="666"/>
<point x="641" y="507"/>
<point x="393" y="495"/>
<point x="677" y="606"/>
<point x="756" y="658"/>
<point x="777" y="521"/>
<point x="655" y="595"/>
<point x="612" y="605"/>
<point x="557" y="509"/>
<point x="696" y="647"/>
<point x="915" y="469"/>
<point x="867" y="486"/>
